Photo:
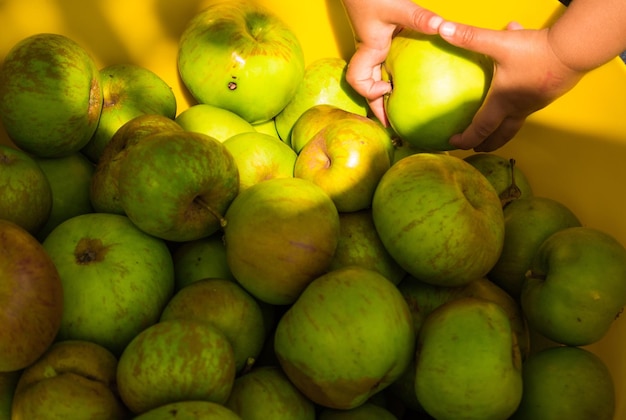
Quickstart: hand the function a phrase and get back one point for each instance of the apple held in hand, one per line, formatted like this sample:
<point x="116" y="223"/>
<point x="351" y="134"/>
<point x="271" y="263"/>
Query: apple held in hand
<point x="439" y="218"/>
<point x="50" y="95"/>
<point x="346" y="159"/>
<point x="436" y="88"/>
<point x="177" y="185"/>
<point x="347" y="337"/>
<point x="576" y="286"/>
<point x="239" y="56"/>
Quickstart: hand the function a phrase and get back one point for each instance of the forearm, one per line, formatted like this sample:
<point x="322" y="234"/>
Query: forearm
<point x="590" y="33"/>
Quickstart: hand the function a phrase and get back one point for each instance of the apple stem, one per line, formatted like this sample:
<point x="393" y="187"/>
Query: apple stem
<point x="512" y="192"/>
<point x="533" y="275"/>
<point x="215" y="214"/>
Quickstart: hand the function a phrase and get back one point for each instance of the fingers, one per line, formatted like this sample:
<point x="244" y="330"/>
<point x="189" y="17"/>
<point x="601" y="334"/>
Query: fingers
<point x="484" y="41"/>
<point x="488" y="132"/>
<point x="364" y="73"/>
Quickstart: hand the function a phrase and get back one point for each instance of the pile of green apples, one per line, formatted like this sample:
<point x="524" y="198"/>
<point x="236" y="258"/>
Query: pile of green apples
<point x="273" y="251"/>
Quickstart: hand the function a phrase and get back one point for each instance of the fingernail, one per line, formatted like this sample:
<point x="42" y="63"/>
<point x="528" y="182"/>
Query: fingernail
<point x="435" y="22"/>
<point x="447" y="29"/>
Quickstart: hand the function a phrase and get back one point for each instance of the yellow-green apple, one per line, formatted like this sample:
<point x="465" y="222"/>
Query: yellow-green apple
<point x="367" y="410"/>
<point x="527" y="223"/>
<point x="128" y="90"/>
<point x="346" y="159"/>
<point x="436" y="88"/>
<point x="468" y="363"/>
<point x="25" y="190"/>
<point x="439" y="218"/>
<point x="505" y="175"/>
<point x="267" y="127"/>
<point x="8" y="383"/>
<point x="50" y="95"/>
<point x="576" y="285"/>
<point x="70" y="181"/>
<point x="313" y="120"/>
<point x="359" y="244"/>
<point x="200" y="259"/>
<point x="177" y="185"/>
<point x="116" y="278"/>
<point x="175" y="360"/>
<point x="324" y="82"/>
<point x="73" y="377"/>
<point x="260" y="157"/>
<point x="31" y="298"/>
<point x="189" y="410"/>
<point x="566" y="382"/>
<point x="280" y="235"/>
<point x="265" y="392"/>
<point x="347" y="337"/>
<point x="240" y="56"/>
<point x="213" y="121"/>
<point x="228" y="307"/>
<point x="104" y="186"/>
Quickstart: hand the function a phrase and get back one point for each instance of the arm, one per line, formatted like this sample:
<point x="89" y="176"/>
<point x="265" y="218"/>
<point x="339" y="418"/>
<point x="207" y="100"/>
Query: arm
<point x="535" y="67"/>
<point x="374" y="23"/>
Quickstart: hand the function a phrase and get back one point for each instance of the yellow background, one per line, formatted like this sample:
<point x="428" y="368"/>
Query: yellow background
<point x="572" y="151"/>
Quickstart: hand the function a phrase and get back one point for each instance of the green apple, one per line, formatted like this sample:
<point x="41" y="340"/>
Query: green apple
<point x="347" y="160"/>
<point x="436" y="88"/>
<point x="566" y="383"/>
<point x="260" y="157"/>
<point x="439" y="218"/>
<point x="359" y="244"/>
<point x="70" y="181"/>
<point x="280" y="235"/>
<point x="347" y="337"/>
<point x="31" y="298"/>
<point x="468" y="363"/>
<point x="104" y="185"/>
<point x="200" y="259"/>
<point x="267" y="127"/>
<point x="324" y="82"/>
<point x="213" y="121"/>
<point x="576" y="285"/>
<point x="176" y="360"/>
<point x="25" y="189"/>
<point x="527" y="223"/>
<point x="128" y="90"/>
<point x="116" y="279"/>
<point x="314" y="120"/>
<point x="72" y="378"/>
<point x="228" y="307"/>
<point x="240" y="56"/>
<point x="189" y="410"/>
<point x="366" y="411"/>
<point x="178" y="185"/>
<point x="505" y="175"/>
<point x="50" y="95"/>
<point x="266" y="393"/>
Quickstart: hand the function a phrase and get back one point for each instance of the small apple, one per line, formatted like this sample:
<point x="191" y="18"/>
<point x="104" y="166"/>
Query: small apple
<point x="240" y="56"/>
<point x="175" y="360"/>
<point x="266" y="393"/>
<point x="31" y="298"/>
<point x="189" y="410"/>
<point x="213" y="121"/>
<point x="25" y="189"/>
<point x="566" y="383"/>
<point x="73" y="377"/>
<point x="324" y="82"/>
<point x="128" y="90"/>
<point x="178" y="185"/>
<point x="468" y="363"/>
<point x="347" y="337"/>
<point x="116" y="279"/>
<point x="347" y="159"/>
<point x="228" y="307"/>
<point x="359" y="244"/>
<point x="436" y="88"/>
<point x="50" y="95"/>
<point x="576" y="286"/>
<point x="260" y="157"/>
<point x="439" y="218"/>
<point x="280" y="235"/>
<point x="104" y="187"/>
<point x="70" y="181"/>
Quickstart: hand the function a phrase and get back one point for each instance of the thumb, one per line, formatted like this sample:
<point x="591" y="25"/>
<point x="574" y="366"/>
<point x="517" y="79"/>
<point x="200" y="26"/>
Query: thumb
<point x="482" y="41"/>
